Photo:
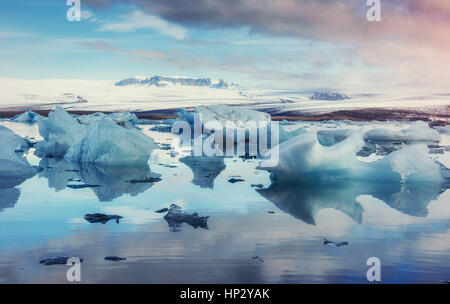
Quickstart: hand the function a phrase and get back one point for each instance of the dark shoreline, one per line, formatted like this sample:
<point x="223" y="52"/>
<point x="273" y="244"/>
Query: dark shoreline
<point x="369" y="114"/>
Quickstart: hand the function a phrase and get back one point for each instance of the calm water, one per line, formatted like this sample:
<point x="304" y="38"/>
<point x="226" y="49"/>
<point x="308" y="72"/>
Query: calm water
<point x="406" y="227"/>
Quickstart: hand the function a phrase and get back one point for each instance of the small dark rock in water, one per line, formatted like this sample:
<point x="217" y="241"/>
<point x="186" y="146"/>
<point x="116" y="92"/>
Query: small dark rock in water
<point x="82" y="186"/>
<point x="101" y="218"/>
<point x="114" y="258"/>
<point x="258" y="258"/>
<point x="145" y="180"/>
<point x="60" y="260"/>
<point x="162" y="210"/>
<point x="272" y="212"/>
<point x="235" y="180"/>
<point x="326" y="242"/>
<point x="175" y="217"/>
<point x="72" y="170"/>
<point x="259" y="186"/>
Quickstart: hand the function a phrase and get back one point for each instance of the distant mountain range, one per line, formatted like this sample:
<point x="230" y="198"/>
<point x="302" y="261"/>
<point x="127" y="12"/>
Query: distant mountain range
<point x="329" y="96"/>
<point x="162" y="81"/>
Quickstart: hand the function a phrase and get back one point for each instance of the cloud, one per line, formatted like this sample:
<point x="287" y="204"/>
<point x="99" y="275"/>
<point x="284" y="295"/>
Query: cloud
<point x="138" y="20"/>
<point x="412" y="41"/>
<point x="89" y="16"/>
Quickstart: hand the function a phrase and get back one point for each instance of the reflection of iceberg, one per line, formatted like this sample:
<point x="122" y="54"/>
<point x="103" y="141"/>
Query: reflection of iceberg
<point x="411" y="199"/>
<point x="113" y="181"/>
<point x="303" y="159"/>
<point x="8" y="198"/>
<point x="205" y="169"/>
<point x="304" y="201"/>
<point x="58" y="172"/>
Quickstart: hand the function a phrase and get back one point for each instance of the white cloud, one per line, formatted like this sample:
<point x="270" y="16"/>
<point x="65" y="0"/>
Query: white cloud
<point x="89" y="16"/>
<point x="138" y="20"/>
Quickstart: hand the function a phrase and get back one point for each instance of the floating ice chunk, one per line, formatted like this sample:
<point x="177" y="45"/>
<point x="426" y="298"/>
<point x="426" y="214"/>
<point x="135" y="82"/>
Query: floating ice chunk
<point x="238" y="116"/>
<point x="125" y="119"/>
<point x="12" y="164"/>
<point x="419" y="131"/>
<point x="105" y="142"/>
<point x="29" y="117"/>
<point x="304" y="159"/>
<point x="59" y="131"/>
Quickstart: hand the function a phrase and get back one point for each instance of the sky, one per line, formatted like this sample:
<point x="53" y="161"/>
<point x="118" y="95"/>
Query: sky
<point x="275" y="44"/>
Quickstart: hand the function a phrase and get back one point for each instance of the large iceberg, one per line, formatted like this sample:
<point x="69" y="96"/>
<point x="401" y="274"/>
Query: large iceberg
<point x="418" y="131"/>
<point x="105" y="142"/>
<point x="59" y="131"/>
<point x="12" y="164"/>
<point x="304" y="159"/>
<point x="100" y="139"/>
<point x="235" y="116"/>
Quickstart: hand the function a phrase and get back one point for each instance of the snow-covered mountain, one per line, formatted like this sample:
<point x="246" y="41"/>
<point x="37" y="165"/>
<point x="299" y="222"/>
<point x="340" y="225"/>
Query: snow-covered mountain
<point x="162" y="81"/>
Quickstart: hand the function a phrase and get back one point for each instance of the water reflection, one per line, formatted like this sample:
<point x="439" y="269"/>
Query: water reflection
<point x="205" y="169"/>
<point x="113" y="181"/>
<point x="305" y="201"/>
<point x="8" y="198"/>
<point x="9" y="194"/>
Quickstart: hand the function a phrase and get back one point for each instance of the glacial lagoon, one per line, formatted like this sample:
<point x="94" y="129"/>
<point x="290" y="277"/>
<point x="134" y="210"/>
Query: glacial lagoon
<point x="284" y="224"/>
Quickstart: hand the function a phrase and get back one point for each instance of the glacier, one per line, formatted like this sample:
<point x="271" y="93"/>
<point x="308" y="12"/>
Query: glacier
<point x="303" y="159"/>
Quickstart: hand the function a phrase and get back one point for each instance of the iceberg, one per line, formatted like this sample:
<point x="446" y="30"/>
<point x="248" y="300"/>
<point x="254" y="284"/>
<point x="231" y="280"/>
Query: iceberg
<point x="12" y="164"/>
<point x="419" y="131"/>
<point x="27" y="117"/>
<point x="304" y="159"/>
<point x="237" y="116"/>
<point x="125" y="119"/>
<point x="59" y="131"/>
<point x="105" y="142"/>
<point x="100" y="139"/>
